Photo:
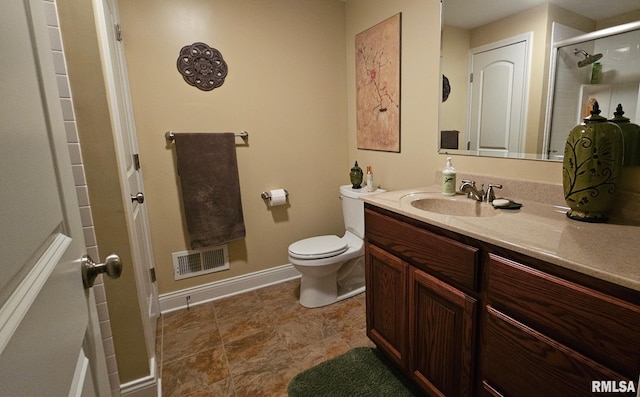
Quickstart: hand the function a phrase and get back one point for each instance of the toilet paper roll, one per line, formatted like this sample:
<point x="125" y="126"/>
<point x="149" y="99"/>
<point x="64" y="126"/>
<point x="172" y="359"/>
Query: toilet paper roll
<point x="278" y="197"/>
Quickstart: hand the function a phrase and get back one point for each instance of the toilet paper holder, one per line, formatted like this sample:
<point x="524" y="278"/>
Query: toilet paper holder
<point x="267" y="195"/>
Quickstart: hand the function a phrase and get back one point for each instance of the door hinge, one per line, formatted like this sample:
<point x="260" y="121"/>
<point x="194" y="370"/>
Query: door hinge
<point x="152" y="274"/>
<point x="136" y="161"/>
<point x="118" y="32"/>
<point x="470" y="77"/>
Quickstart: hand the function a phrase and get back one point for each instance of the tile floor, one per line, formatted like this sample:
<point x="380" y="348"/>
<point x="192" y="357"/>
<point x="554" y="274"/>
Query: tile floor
<point x="254" y="343"/>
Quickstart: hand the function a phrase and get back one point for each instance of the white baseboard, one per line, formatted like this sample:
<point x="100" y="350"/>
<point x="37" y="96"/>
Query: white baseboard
<point x="148" y="386"/>
<point x="231" y="286"/>
<point x="143" y="387"/>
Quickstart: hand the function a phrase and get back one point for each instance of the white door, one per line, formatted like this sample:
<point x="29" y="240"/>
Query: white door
<point x="498" y="99"/>
<point x="44" y="309"/>
<point x="121" y="112"/>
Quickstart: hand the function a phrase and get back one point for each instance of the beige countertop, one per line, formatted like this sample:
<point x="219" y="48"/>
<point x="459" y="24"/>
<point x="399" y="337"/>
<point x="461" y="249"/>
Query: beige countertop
<point x="608" y="251"/>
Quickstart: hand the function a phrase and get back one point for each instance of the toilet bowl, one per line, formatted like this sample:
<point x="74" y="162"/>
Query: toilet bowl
<point x="332" y="267"/>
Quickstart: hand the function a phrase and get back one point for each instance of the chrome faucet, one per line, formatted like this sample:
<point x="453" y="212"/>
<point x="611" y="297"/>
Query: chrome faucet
<point x="490" y="196"/>
<point x="469" y="187"/>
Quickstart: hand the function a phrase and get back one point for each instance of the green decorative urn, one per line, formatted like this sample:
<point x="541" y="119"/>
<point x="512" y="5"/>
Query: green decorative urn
<point x="630" y="137"/>
<point x="592" y="161"/>
<point x="356" y="176"/>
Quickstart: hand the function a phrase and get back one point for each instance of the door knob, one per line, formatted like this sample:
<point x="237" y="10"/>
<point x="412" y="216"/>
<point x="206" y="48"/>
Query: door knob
<point x="90" y="270"/>
<point x="138" y="197"/>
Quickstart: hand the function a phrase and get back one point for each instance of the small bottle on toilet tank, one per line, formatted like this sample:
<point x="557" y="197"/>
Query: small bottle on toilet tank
<point x="370" y="186"/>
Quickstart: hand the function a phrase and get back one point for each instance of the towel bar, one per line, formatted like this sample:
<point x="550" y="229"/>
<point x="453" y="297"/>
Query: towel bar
<point x="170" y="135"/>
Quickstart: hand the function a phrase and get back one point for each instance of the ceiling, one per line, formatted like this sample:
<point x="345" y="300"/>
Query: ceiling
<point x="468" y="14"/>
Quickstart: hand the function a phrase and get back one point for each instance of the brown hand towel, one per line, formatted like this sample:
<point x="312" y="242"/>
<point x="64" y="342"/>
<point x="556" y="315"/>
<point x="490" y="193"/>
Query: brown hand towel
<point x="208" y="171"/>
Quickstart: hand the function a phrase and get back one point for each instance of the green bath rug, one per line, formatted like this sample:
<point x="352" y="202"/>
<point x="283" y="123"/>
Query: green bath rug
<point x="361" y="371"/>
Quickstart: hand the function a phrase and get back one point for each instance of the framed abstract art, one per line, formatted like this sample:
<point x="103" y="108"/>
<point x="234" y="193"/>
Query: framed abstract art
<point x="378" y="86"/>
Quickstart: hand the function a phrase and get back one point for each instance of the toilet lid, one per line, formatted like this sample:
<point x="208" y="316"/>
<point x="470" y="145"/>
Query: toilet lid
<point x="318" y="247"/>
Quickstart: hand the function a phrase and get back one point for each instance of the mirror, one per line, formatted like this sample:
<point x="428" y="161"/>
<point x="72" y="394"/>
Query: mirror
<point x="505" y="34"/>
<point x="578" y="65"/>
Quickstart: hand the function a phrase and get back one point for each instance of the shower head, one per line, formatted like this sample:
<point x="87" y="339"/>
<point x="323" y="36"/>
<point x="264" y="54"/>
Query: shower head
<point x="588" y="58"/>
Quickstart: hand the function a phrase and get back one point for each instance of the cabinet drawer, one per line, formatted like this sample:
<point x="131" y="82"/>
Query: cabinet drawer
<point x="450" y="259"/>
<point x="518" y="361"/>
<point x="598" y="326"/>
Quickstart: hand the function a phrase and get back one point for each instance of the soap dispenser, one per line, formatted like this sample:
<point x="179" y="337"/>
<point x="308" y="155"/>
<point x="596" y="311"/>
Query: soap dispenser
<point x="449" y="179"/>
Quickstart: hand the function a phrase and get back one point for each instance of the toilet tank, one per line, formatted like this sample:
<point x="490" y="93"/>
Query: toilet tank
<point x="353" y="208"/>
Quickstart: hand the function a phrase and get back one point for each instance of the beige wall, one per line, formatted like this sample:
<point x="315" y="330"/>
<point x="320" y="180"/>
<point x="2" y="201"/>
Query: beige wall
<point x="571" y="19"/>
<point x="416" y="162"/>
<point x="619" y="19"/>
<point x="98" y="151"/>
<point x="455" y="65"/>
<point x="286" y="86"/>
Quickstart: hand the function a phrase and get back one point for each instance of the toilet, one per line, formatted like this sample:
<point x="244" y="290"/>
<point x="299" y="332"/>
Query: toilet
<point x="332" y="267"/>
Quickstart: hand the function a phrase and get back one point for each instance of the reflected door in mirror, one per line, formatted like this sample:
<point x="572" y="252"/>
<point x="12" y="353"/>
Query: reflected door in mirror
<point x="498" y="93"/>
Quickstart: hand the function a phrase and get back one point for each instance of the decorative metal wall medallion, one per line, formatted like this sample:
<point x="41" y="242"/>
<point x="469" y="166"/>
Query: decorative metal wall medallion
<point x="202" y="66"/>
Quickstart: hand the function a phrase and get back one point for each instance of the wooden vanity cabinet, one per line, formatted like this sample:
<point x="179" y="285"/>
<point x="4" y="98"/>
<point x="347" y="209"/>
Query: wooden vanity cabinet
<point x="462" y="317"/>
<point x="426" y="325"/>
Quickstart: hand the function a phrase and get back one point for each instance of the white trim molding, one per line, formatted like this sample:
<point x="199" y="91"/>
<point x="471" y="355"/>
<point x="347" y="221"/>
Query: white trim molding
<point x="13" y="310"/>
<point x="232" y="286"/>
<point x="147" y="386"/>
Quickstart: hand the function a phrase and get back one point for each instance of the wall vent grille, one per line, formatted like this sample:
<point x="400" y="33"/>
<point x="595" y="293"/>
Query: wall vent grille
<point x="198" y="262"/>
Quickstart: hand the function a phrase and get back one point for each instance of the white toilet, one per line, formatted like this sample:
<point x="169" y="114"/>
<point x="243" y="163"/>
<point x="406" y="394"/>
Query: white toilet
<point x="332" y="267"/>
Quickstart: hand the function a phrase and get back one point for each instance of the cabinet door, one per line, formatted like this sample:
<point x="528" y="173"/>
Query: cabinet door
<point x="386" y="281"/>
<point x="442" y="323"/>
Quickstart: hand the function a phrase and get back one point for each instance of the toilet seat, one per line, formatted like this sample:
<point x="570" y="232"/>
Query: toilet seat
<point x="318" y="247"/>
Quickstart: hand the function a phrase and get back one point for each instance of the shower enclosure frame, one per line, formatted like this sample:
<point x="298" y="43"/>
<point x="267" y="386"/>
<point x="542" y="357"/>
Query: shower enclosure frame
<point x="598" y="34"/>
